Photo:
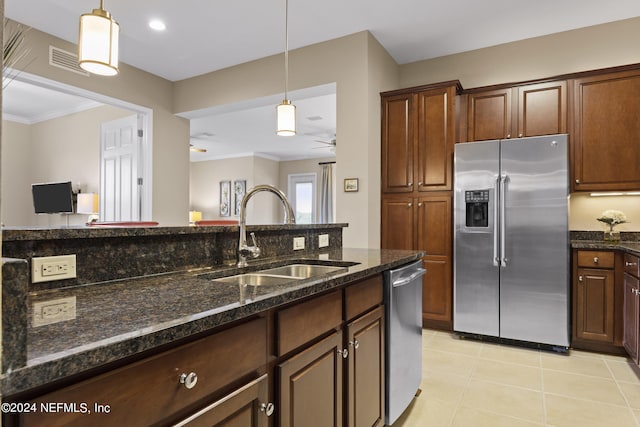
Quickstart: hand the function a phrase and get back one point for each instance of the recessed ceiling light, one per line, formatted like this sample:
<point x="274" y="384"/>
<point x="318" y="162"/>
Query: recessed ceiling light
<point x="157" y="25"/>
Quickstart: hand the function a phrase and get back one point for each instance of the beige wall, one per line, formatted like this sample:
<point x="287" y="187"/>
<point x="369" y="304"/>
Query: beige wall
<point x="584" y="210"/>
<point x="62" y="149"/>
<point x="344" y="61"/>
<point x="205" y="180"/>
<point x="589" y="48"/>
<point x="170" y="133"/>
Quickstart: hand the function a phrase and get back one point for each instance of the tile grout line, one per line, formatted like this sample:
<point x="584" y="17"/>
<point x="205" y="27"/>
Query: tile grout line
<point x="544" y="396"/>
<point x="624" y="396"/>
<point x="464" y="391"/>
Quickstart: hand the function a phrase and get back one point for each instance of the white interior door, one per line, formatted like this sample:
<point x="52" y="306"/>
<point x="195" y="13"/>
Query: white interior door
<point x="119" y="174"/>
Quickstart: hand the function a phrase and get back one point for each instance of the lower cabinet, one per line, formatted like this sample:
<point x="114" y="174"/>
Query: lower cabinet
<point x="244" y="407"/>
<point x="160" y="389"/>
<point x="311" y="385"/>
<point x="338" y="380"/>
<point x="595" y="305"/>
<point x="631" y="340"/>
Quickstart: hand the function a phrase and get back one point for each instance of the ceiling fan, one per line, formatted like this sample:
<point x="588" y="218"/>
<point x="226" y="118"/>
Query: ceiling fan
<point x="330" y="144"/>
<point x="197" y="149"/>
<point x="200" y="136"/>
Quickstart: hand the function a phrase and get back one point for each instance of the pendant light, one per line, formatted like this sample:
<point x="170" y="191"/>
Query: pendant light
<point x="286" y="111"/>
<point x="98" y="42"/>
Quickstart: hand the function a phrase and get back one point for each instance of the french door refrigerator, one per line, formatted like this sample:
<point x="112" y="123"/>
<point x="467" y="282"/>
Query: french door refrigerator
<point x="511" y="245"/>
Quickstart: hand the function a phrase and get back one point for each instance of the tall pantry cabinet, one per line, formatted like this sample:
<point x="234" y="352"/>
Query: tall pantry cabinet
<point x="418" y="136"/>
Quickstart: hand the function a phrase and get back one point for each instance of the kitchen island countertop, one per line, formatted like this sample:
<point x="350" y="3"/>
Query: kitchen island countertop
<point x="122" y="318"/>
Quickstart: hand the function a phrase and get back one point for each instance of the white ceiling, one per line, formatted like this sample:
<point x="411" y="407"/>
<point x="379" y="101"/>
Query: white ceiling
<point x="204" y="36"/>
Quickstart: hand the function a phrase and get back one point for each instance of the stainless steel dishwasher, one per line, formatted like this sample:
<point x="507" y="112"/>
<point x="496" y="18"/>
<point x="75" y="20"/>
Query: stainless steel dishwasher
<point x="403" y="330"/>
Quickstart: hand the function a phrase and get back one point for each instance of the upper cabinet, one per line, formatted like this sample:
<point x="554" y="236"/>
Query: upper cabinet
<point x="418" y="134"/>
<point x="519" y="111"/>
<point x="605" y="132"/>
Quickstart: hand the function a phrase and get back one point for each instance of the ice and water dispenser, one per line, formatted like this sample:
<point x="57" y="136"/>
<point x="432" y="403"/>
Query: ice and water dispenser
<point x="477" y="208"/>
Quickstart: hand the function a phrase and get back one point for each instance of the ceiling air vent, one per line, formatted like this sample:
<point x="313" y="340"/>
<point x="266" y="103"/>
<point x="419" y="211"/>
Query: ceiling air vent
<point x="65" y="60"/>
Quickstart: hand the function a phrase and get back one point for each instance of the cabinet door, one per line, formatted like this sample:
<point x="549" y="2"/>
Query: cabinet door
<point x="242" y="408"/>
<point x="397" y="230"/>
<point x="489" y="115"/>
<point x="542" y="109"/>
<point x="595" y="305"/>
<point x="436" y="137"/>
<point x="365" y="383"/>
<point x="631" y="316"/>
<point x="606" y="132"/>
<point x="398" y="143"/>
<point x="310" y="386"/>
<point x="435" y="238"/>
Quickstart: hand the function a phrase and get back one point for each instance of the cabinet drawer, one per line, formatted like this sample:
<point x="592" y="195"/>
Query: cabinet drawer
<point x="363" y="296"/>
<point x="631" y="265"/>
<point x="595" y="259"/>
<point x="303" y="322"/>
<point x="148" y="391"/>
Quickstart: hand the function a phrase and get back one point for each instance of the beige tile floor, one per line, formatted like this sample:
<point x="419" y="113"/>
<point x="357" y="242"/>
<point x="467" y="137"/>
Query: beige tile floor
<point x="472" y="383"/>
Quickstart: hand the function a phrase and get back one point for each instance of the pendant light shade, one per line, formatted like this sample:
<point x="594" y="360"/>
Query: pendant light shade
<point x="98" y="42"/>
<point x="286" y="111"/>
<point x="286" y="114"/>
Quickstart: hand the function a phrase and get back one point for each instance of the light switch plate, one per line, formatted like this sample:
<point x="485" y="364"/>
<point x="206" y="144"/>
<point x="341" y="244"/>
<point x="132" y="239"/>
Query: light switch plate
<point x="46" y="269"/>
<point x="298" y="243"/>
<point x="54" y="311"/>
<point x="323" y="240"/>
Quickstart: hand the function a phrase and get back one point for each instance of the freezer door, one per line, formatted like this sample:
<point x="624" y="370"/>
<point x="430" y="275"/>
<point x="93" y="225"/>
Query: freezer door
<point x="535" y="276"/>
<point x="476" y="274"/>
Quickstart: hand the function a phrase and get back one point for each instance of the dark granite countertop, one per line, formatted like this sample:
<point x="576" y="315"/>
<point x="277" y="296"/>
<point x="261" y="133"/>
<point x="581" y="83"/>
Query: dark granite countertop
<point x="121" y="318"/>
<point x="630" y="247"/>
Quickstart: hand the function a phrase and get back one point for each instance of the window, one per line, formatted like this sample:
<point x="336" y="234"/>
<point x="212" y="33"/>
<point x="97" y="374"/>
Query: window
<point x="302" y="195"/>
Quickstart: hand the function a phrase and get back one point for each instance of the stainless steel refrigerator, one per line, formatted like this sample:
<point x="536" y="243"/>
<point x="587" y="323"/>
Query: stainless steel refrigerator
<point x="511" y="246"/>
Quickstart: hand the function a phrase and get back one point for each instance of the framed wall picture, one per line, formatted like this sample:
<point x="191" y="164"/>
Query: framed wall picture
<point x="225" y="198"/>
<point x="350" y="185"/>
<point x="239" y="188"/>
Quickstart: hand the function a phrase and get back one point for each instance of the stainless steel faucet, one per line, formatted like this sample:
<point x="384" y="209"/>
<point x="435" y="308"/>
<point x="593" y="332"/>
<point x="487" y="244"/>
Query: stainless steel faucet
<point x="245" y="251"/>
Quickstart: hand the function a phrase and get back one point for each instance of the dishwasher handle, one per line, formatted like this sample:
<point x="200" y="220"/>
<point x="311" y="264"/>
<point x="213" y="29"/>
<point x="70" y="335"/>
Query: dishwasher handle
<point x="404" y="281"/>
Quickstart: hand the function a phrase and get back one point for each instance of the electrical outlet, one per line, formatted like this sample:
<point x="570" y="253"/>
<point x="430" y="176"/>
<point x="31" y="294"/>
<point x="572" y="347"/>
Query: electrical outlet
<point x="53" y="311"/>
<point x="323" y="240"/>
<point x="45" y="269"/>
<point x="298" y="243"/>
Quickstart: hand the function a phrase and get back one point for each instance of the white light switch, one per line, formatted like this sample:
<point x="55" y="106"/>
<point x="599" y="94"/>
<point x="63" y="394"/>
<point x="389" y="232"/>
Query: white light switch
<point x="323" y="240"/>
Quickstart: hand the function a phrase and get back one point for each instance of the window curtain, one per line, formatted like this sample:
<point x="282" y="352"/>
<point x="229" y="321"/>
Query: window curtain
<point x="326" y="196"/>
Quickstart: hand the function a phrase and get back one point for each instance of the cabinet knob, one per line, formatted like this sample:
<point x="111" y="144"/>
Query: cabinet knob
<point x="189" y="380"/>
<point x="630" y="264"/>
<point x="420" y="204"/>
<point x="520" y="135"/>
<point x="508" y="135"/>
<point x="410" y="184"/>
<point x="409" y="204"/>
<point x="344" y="353"/>
<point x="580" y="279"/>
<point x="596" y="260"/>
<point x="636" y="292"/>
<point x="420" y="184"/>
<point x="355" y="344"/>
<point x="268" y="408"/>
<point x="577" y="181"/>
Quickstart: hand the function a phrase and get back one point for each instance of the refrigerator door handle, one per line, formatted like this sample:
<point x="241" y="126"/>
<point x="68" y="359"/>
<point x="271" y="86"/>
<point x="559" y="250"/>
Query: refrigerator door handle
<point x="504" y="178"/>
<point x="496" y="221"/>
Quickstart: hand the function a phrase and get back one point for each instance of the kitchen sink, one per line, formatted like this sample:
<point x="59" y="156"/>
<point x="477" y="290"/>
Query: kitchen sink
<point x="286" y="273"/>
<point x="303" y="271"/>
<point x="257" y="279"/>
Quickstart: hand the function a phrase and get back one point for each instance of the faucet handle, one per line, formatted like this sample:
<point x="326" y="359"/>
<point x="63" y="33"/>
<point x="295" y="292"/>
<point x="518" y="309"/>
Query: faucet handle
<point x="253" y="239"/>
<point x="255" y="250"/>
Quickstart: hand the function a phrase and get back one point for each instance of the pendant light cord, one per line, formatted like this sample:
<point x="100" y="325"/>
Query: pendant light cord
<point x="286" y="48"/>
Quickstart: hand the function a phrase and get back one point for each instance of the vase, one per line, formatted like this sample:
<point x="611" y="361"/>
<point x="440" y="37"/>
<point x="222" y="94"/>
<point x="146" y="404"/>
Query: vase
<point x="611" y="235"/>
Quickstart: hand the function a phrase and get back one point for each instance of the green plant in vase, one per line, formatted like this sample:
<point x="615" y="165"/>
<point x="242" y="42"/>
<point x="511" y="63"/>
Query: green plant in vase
<point x="612" y="218"/>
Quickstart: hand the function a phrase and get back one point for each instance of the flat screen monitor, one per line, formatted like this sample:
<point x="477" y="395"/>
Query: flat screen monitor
<point x="54" y="197"/>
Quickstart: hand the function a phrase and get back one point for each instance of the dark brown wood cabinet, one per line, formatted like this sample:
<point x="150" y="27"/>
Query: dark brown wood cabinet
<point x="164" y="388"/>
<point x="418" y="137"/>
<point x="338" y="380"/>
<point x="418" y="134"/>
<point x="605" y="132"/>
<point x="425" y="223"/>
<point x="631" y="338"/>
<point x="311" y="384"/>
<point x="526" y="110"/>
